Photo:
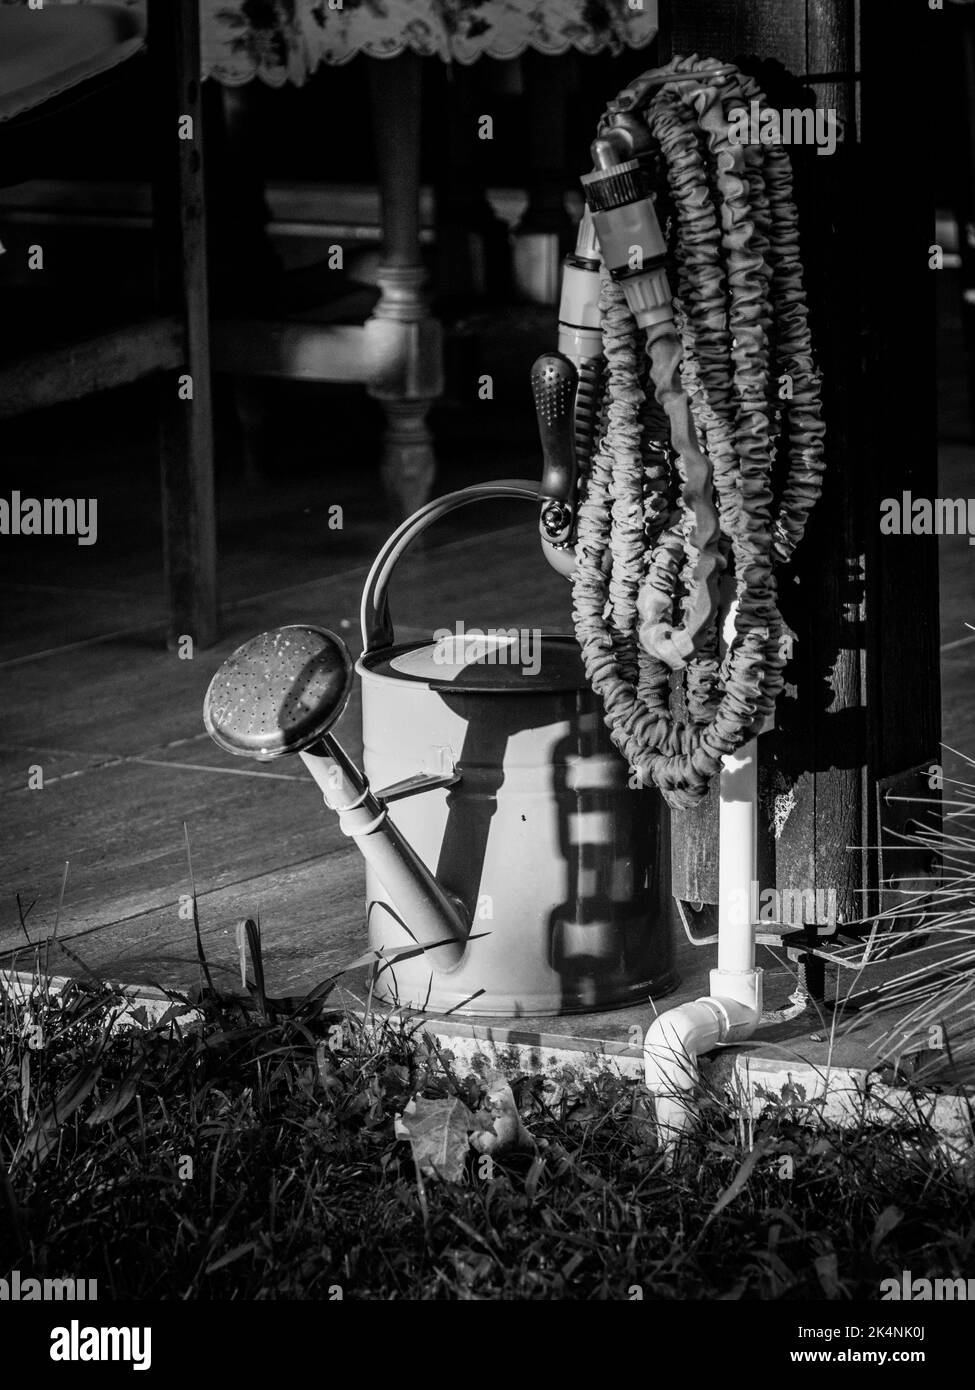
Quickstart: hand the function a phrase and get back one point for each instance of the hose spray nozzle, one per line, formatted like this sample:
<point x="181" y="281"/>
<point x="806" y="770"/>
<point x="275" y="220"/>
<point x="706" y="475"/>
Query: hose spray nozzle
<point x="554" y="380"/>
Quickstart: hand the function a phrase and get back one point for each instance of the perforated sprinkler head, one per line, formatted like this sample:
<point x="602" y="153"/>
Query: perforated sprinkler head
<point x="279" y="693"/>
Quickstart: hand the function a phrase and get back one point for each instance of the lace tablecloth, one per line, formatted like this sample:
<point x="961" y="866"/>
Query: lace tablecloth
<point x="283" y="41"/>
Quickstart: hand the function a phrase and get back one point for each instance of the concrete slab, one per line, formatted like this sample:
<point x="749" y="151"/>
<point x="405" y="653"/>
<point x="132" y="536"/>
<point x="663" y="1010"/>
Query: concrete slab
<point x="831" y="1093"/>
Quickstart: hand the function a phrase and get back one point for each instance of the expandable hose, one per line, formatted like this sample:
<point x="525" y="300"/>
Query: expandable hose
<point x="734" y="370"/>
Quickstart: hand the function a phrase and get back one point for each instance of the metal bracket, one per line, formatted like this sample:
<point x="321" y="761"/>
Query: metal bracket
<point x="709" y="911"/>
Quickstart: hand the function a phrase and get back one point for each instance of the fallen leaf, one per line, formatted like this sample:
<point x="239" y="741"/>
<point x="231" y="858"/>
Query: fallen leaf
<point x="437" y="1131"/>
<point x="497" y="1124"/>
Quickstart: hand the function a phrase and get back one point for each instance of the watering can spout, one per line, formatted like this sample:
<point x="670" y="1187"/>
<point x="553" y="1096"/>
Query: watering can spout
<point x="281" y="693"/>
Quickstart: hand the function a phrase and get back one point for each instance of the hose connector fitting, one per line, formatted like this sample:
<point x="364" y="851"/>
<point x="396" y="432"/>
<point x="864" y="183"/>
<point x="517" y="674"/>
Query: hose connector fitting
<point x="630" y="238"/>
<point x="580" y="327"/>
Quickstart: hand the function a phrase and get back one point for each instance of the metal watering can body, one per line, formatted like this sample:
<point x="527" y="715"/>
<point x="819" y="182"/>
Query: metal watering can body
<point x="533" y="827"/>
<point x="510" y="870"/>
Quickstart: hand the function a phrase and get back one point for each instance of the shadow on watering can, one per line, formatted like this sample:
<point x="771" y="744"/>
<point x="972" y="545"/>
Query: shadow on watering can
<point x="547" y="895"/>
<point x="610" y="940"/>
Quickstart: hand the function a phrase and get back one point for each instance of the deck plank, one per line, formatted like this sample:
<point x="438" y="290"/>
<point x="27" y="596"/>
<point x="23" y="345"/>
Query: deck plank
<point x="129" y="761"/>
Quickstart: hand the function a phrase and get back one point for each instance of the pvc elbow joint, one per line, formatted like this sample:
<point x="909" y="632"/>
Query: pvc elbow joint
<point x="675" y="1040"/>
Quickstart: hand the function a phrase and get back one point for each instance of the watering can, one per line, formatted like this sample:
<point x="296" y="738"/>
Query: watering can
<point x="510" y="869"/>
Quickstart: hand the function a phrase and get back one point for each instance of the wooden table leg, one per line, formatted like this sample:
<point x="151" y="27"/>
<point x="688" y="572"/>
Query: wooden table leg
<point x="186" y="420"/>
<point x="545" y="232"/>
<point x="473" y="250"/>
<point x="406" y="342"/>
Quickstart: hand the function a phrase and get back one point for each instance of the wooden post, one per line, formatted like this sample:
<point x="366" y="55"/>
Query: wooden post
<point x="862" y="701"/>
<point x="402" y="335"/>
<point x="186" y="423"/>
<point x="818" y="761"/>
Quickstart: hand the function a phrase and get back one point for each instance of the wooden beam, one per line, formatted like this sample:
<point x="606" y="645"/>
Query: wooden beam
<point x="91" y="364"/>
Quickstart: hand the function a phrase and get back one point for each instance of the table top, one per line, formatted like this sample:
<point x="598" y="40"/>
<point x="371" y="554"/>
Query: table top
<point x="281" y="41"/>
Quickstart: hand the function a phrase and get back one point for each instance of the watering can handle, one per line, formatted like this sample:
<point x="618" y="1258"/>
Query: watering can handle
<point x="377" y="625"/>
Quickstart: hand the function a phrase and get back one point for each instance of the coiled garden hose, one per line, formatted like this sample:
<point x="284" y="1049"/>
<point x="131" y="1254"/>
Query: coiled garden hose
<point x="676" y="470"/>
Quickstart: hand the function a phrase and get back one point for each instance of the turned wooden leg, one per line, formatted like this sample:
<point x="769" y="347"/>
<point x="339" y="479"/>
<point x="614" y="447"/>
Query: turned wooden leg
<point x="408" y="465"/>
<point x="405" y="342"/>
<point x="407" y="354"/>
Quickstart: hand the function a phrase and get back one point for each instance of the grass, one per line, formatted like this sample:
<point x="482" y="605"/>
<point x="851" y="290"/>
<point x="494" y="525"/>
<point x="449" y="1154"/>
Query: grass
<point x="932" y="998"/>
<point x="257" y="1158"/>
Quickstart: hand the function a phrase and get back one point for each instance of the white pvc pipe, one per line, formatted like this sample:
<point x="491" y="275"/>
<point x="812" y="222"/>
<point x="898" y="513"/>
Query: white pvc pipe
<point x="733" y="1010"/>
<point x="737" y="817"/>
<point x="671" y="1048"/>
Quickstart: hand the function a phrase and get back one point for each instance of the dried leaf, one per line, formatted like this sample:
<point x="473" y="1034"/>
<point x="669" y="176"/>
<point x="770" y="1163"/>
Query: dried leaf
<point x="470" y="1266"/>
<point x="437" y="1131"/>
<point x="25" y="1086"/>
<point x="176" y="1010"/>
<point x="497" y="1124"/>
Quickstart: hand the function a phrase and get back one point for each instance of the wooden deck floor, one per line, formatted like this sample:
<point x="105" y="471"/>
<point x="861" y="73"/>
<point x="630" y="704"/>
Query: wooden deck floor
<point x="116" y="729"/>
